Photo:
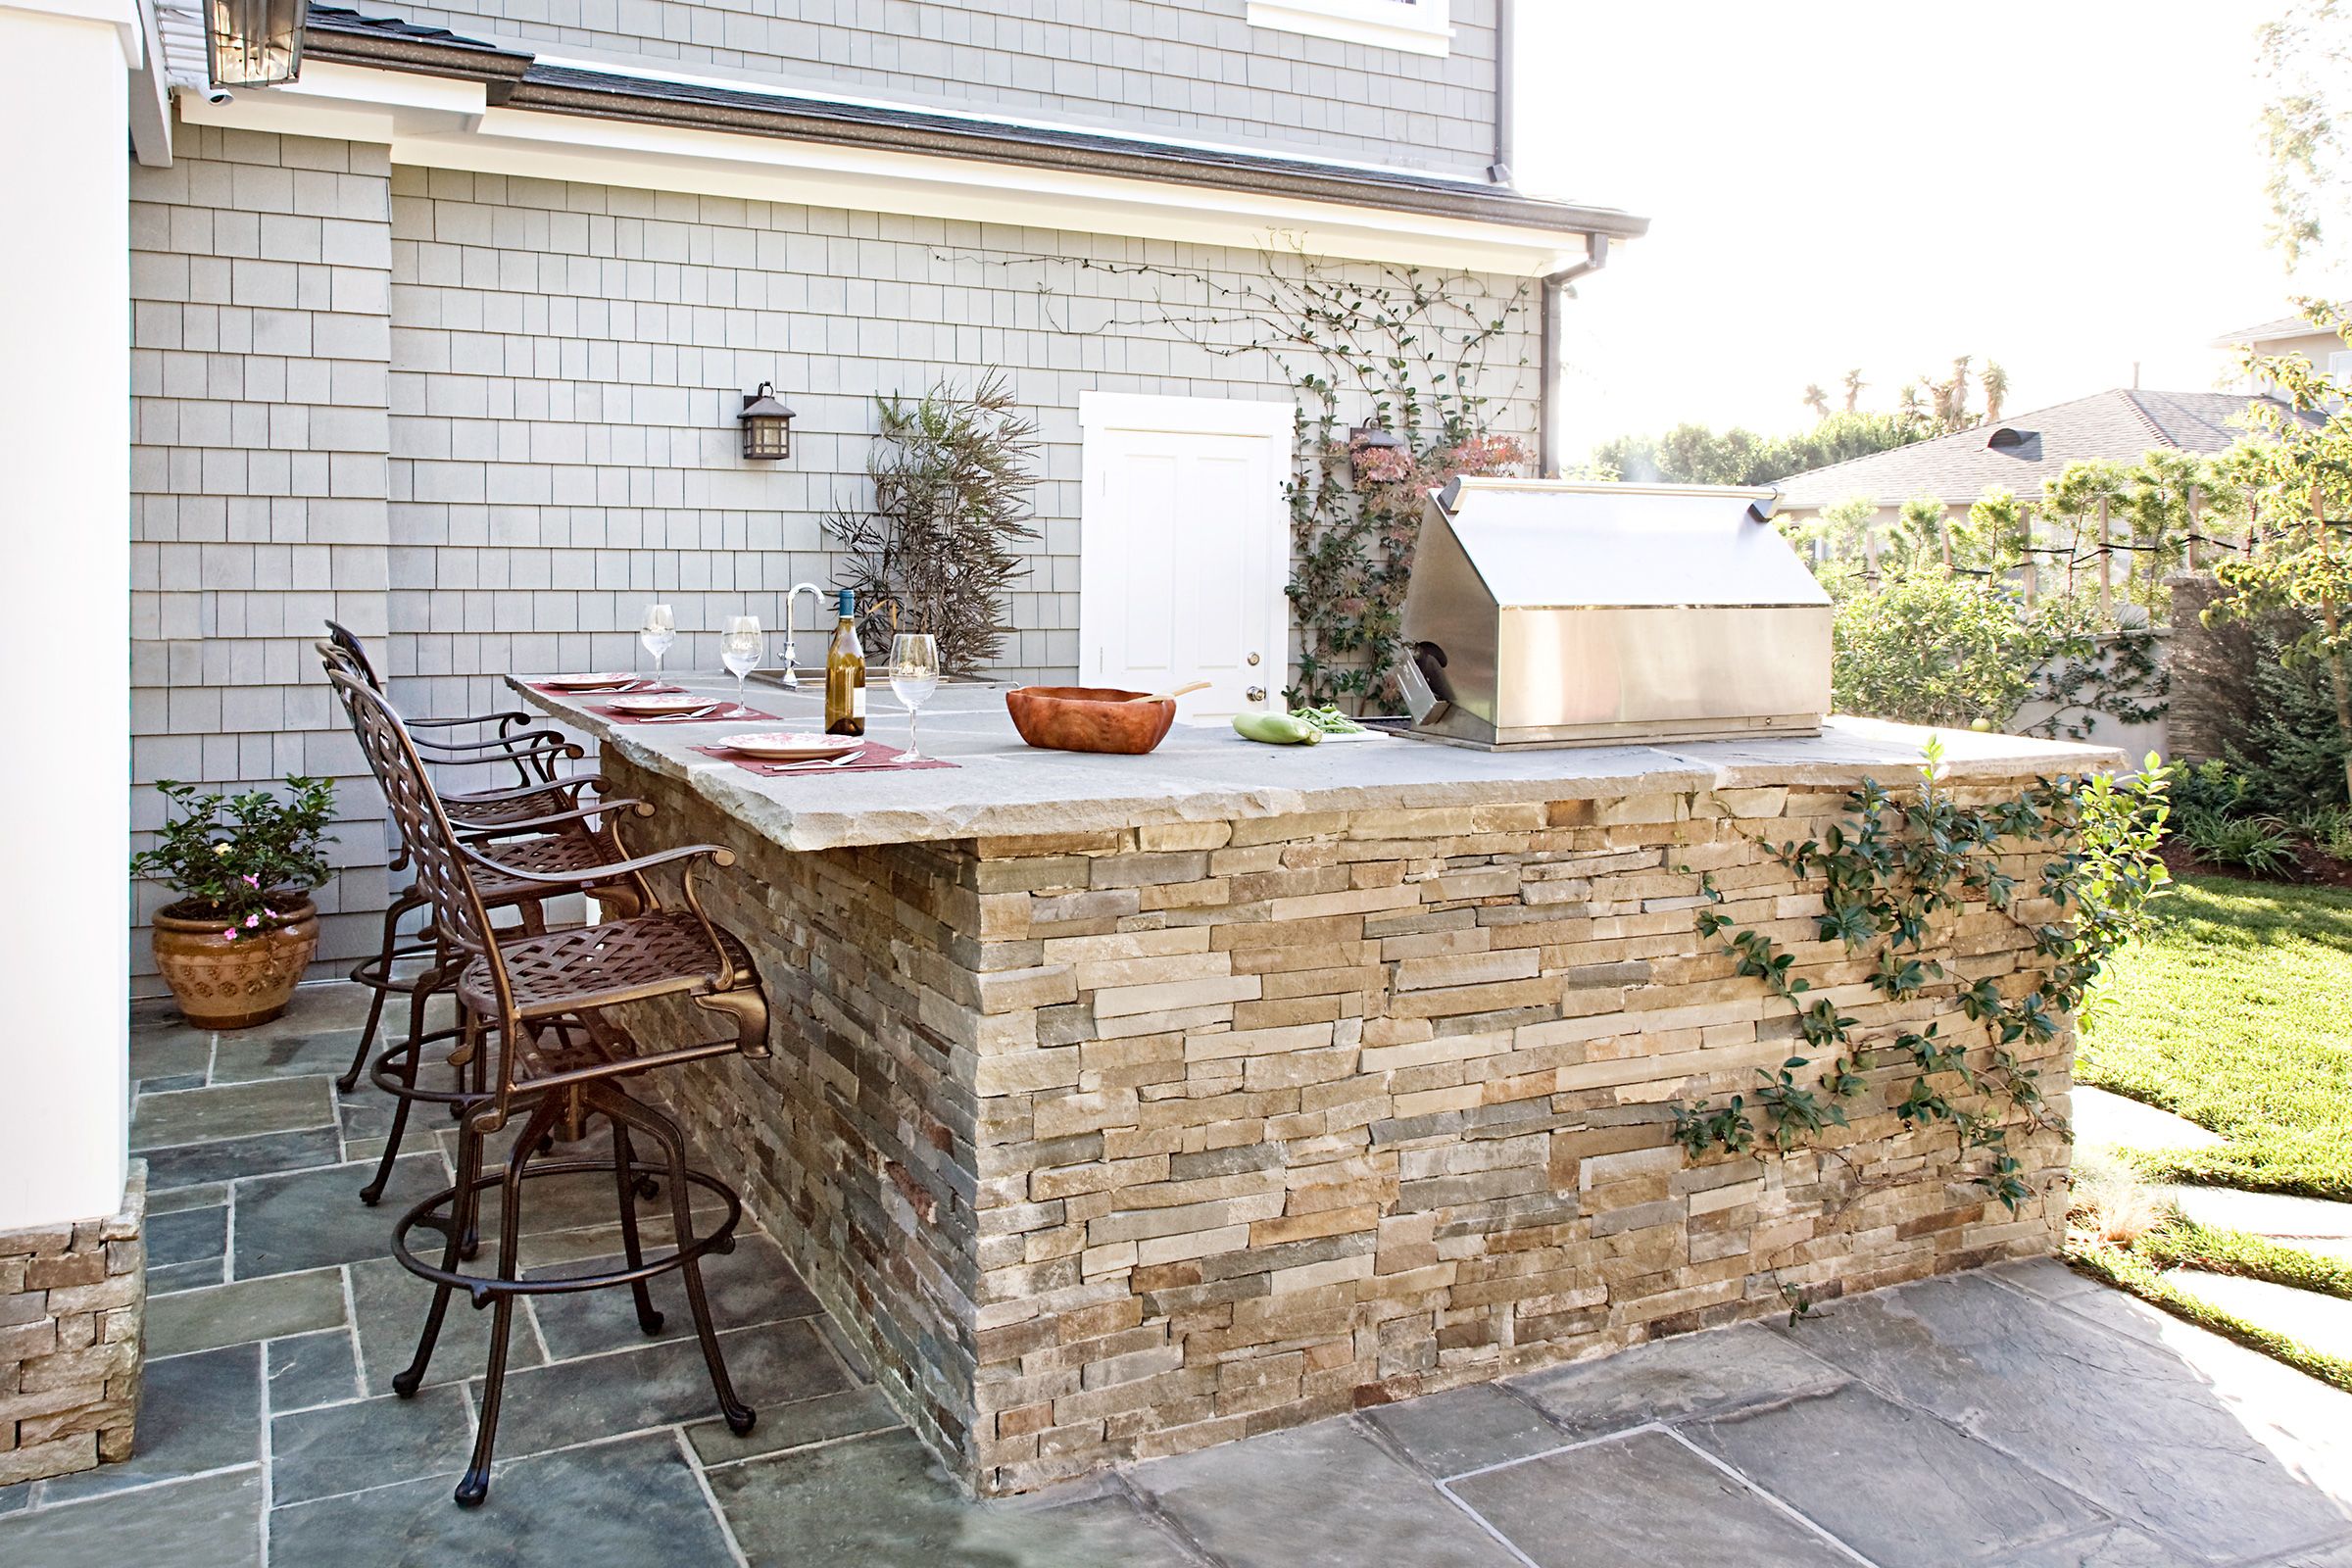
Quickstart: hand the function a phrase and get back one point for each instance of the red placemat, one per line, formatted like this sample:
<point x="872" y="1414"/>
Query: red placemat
<point x="635" y="688"/>
<point x="872" y="757"/>
<point x="728" y="715"/>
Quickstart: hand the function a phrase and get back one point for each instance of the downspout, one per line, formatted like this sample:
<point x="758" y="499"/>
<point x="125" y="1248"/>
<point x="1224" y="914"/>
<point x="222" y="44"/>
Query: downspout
<point x="1554" y="293"/>
<point x="1505" y="68"/>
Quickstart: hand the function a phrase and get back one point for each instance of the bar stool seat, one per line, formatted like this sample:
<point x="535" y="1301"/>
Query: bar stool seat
<point x="604" y="966"/>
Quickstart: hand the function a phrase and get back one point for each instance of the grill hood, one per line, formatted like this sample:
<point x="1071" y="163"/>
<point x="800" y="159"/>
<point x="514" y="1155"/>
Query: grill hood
<point x="1548" y="613"/>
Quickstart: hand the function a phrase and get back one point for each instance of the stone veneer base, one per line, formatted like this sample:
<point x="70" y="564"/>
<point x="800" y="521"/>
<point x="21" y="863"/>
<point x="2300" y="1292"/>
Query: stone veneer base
<point x="1125" y="1143"/>
<point x="72" y="1315"/>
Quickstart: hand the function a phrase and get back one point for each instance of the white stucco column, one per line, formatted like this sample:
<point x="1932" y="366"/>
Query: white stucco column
<point x="65" y="536"/>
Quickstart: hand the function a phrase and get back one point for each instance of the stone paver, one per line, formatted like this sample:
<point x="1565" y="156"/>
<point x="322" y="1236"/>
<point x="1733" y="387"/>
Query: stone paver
<point x="2321" y="1322"/>
<point x="2017" y="1417"/>
<point x="2284" y="1216"/>
<point x="2105" y="1120"/>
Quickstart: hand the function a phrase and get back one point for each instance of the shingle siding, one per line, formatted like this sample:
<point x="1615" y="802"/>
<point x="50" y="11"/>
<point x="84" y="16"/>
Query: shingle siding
<point x="1192" y="68"/>
<point x="260" y="291"/>
<point x="486" y="419"/>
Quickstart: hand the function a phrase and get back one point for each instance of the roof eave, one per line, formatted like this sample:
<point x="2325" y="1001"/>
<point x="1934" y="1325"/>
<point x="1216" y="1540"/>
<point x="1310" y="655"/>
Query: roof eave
<point x="513" y="81"/>
<point x="498" y="69"/>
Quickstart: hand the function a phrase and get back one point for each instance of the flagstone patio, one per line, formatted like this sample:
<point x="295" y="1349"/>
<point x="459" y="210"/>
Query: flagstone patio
<point x="2017" y="1416"/>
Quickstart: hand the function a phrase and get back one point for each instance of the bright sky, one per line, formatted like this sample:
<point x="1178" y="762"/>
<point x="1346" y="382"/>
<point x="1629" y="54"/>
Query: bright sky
<point x="2068" y="186"/>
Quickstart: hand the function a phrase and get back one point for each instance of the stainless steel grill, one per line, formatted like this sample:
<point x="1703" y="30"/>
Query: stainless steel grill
<point x="1546" y="612"/>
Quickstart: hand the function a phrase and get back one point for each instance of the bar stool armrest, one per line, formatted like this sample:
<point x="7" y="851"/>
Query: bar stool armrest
<point x="716" y="854"/>
<point x="540" y="824"/>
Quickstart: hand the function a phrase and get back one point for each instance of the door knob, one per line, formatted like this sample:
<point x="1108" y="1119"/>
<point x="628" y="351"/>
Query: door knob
<point x="1257" y="693"/>
<point x="1253" y="659"/>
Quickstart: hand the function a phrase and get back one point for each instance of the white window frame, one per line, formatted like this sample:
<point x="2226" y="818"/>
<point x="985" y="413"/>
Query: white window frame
<point x="1416" y="27"/>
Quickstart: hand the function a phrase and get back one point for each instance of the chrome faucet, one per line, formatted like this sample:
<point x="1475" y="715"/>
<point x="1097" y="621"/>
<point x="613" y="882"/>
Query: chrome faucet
<point x="792" y="656"/>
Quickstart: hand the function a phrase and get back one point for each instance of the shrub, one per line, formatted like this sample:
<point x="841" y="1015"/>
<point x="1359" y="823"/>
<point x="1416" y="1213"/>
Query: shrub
<point x="2262" y="845"/>
<point x="1935" y="649"/>
<point x="2289" y="751"/>
<point x="939" y="551"/>
<point x="231" y="858"/>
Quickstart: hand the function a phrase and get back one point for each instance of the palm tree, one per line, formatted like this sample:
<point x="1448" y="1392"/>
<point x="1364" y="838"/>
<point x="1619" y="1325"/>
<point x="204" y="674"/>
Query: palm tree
<point x="1996" y="382"/>
<point x="1817" y="400"/>
<point x="1853" y="388"/>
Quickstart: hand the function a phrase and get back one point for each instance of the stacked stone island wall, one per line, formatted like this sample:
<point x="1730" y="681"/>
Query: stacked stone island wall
<point x="1124" y="1144"/>
<point x="73" y="1308"/>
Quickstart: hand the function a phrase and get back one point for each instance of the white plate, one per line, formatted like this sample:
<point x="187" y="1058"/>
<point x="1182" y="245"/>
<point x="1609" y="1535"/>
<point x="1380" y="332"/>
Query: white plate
<point x="654" y="702"/>
<point x="779" y="746"/>
<point x="600" y="682"/>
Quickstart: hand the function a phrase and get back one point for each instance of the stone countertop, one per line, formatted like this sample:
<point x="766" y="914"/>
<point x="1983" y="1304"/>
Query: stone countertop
<point x="1204" y="772"/>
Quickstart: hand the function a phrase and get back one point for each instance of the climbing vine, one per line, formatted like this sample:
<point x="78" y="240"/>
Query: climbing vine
<point x="1435" y="359"/>
<point x="1897" y="861"/>
<point x="1398" y="372"/>
<point x="2120" y="676"/>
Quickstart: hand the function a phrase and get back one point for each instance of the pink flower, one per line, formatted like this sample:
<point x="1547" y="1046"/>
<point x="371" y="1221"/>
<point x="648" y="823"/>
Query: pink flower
<point x="252" y="879"/>
<point x="229" y="935"/>
<point x="252" y="922"/>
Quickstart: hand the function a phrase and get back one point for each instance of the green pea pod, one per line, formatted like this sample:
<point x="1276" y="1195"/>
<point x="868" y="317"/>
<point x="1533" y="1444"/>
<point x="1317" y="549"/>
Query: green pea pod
<point x="1275" y="729"/>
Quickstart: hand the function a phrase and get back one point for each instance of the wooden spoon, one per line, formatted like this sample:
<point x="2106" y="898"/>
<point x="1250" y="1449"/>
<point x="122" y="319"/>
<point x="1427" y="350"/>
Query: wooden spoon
<point x="1169" y="697"/>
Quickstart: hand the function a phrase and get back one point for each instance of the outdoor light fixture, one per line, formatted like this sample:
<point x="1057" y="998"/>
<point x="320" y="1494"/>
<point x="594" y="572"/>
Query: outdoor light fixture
<point x="1366" y="439"/>
<point x="254" y="43"/>
<point x="766" y="424"/>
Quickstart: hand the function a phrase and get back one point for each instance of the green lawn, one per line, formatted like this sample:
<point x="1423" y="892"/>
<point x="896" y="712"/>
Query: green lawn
<point x="2237" y="1012"/>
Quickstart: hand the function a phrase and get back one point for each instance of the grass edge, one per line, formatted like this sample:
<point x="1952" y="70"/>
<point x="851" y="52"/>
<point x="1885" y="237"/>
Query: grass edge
<point x="2129" y="1272"/>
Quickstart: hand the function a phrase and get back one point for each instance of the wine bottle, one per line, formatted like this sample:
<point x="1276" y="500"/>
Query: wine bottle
<point x="844" y="674"/>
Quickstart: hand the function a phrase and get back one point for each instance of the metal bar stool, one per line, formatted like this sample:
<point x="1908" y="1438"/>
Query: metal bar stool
<point x="577" y="838"/>
<point x="537" y="793"/>
<point x="536" y="1005"/>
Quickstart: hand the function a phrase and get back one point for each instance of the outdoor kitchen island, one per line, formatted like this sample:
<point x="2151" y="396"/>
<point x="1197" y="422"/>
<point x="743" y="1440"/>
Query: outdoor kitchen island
<point x="1120" y="1106"/>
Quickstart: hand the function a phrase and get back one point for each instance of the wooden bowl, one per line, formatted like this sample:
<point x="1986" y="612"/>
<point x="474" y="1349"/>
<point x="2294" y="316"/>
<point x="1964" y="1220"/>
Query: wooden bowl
<point x="1088" y="718"/>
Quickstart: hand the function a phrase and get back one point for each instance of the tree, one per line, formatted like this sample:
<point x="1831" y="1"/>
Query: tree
<point x="1845" y="529"/>
<point x="1853" y="388"/>
<point x="1951" y="397"/>
<point x="2077" y="498"/>
<point x="1817" y="400"/>
<point x="1996" y="382"/>
<point x="1917" y="542"/>
<point x="2300" y="559"/>
<point x="1993" y="540"/>
<point x="2306" y="62"/>
<point x="2157" y="502"/>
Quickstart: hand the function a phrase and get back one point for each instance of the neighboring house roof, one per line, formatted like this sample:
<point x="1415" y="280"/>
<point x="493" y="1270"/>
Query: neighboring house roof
<point x="2285" y="327"/>
<point x="2022" y="451"/>
<point x="519" y="79"/>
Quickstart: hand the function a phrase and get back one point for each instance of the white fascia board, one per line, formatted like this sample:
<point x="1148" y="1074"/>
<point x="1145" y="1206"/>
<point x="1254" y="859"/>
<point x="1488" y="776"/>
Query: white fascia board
<point x="612" y="152"/>
<point x="1420" y="29"/>
<point x="437" y="122"/>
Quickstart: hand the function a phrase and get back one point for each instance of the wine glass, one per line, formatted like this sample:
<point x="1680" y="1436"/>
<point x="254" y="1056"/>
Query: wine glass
<point x="914" y="676"/>
<point x="741" y="648"/>
<point x="658" y="634"/>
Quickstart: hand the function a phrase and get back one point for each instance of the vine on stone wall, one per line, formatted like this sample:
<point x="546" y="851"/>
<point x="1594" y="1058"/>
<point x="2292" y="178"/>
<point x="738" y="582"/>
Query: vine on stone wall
<point x="1884" y="874"/>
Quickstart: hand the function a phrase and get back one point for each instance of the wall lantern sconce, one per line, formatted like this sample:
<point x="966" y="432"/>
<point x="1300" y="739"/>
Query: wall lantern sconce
<point x="254" y="43"/>
<point x="1368" y="446"/>
<point x="766" y="424"/>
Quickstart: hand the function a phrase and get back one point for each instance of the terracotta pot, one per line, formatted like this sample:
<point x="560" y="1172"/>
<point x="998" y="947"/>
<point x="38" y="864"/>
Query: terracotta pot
<point x="1088" y="718"/>
<point x="221" y="984"/>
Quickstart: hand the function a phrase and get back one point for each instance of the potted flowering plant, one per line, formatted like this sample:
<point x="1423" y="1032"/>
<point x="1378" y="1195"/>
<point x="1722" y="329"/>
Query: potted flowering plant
<point x="237" y="938"/>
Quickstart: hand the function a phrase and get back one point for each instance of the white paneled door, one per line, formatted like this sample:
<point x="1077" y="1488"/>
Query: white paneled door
<point x="1185" y="548"/>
